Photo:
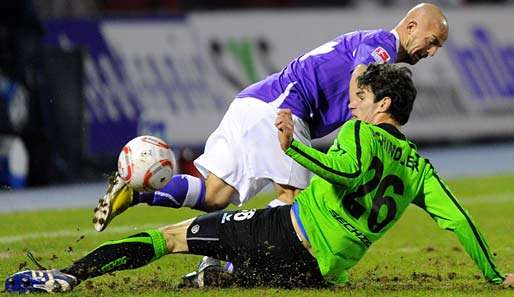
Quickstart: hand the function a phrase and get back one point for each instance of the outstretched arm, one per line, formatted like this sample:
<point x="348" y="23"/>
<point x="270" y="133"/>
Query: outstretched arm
<point x="443" y="207"/>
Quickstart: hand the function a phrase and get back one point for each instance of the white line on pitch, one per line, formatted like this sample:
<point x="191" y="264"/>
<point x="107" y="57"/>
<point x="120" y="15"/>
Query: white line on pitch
<point x="486" y="199"/>
<point x="70" y="233"/>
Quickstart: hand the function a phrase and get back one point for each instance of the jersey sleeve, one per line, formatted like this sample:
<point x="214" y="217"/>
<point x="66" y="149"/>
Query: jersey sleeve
<point x="371" y="50"/>
<point x="443" y="207"/>
<point x="342" y="164"/>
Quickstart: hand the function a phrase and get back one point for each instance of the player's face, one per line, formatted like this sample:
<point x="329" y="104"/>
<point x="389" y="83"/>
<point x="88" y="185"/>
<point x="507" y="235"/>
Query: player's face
<point x="424" y="40"/>
<point x="362" y="105"/>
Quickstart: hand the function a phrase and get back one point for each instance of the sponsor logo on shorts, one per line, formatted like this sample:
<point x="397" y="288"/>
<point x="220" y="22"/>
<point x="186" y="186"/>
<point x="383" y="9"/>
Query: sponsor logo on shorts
<point x="380" y="55"/>
<point x="238" y="215"/>
<point x="195" y="229"/>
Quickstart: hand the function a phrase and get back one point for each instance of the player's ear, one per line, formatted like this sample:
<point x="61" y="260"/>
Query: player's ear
<point x="411" y="25"/>
<point x="385" y="104"/>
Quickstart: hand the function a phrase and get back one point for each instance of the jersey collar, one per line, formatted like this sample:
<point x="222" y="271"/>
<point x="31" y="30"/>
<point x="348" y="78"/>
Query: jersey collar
<point x="397" y="40"/>
<point x="392" y="130"/>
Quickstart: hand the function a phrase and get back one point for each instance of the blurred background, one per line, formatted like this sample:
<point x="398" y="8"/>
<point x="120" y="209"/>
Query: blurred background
<point x="80" y="78"/>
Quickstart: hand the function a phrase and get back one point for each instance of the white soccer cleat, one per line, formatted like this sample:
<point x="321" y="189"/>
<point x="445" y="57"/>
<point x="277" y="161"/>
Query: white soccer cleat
<point x="209" y="273"/>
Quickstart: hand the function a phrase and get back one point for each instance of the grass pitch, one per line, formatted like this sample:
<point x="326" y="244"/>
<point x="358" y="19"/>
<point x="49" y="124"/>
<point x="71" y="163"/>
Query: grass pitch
<point x="415" y="258"/>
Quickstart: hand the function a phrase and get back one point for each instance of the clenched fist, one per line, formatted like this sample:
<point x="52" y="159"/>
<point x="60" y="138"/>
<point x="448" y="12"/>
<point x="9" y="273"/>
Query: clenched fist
<point x="285" y="126"/>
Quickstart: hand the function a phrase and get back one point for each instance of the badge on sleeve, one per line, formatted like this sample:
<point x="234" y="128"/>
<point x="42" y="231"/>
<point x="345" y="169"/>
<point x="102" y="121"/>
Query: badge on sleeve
<point x="380" y="55"/>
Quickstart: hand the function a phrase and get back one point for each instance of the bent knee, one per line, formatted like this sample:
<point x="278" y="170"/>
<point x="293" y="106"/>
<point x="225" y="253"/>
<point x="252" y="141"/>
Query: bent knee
<point x="175" y="236"/>
<point x="217" y="193"/>
<point x="286" y="193"/>
<point x="287" y="198"/>
<point x="215" y="202"/>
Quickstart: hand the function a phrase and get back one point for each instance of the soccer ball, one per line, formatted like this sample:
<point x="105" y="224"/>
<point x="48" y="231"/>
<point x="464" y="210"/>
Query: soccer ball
<point x="146" y="163"/>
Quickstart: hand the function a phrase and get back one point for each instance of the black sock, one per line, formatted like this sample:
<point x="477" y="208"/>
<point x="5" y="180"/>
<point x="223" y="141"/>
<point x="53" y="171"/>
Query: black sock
<point x="129" y="253"/>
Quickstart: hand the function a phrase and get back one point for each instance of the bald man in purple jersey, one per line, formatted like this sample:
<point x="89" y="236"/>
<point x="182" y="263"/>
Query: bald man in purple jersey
<point x="243" y="154"/>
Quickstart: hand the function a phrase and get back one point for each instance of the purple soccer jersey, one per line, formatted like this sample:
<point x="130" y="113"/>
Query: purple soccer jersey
<point x="315" y="85"/>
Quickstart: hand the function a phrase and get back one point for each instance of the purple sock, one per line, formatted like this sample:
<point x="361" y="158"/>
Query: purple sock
<point x="182" y="190"/>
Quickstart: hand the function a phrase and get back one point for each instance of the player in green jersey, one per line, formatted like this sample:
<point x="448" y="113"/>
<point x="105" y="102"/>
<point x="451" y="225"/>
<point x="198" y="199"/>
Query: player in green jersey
<point x="362" y="186"/>
<point x="369" y="177"/>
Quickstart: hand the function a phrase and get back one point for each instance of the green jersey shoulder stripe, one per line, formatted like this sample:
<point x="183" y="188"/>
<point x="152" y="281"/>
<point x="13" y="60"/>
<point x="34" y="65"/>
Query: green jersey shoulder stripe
<point x="316" y="162"/>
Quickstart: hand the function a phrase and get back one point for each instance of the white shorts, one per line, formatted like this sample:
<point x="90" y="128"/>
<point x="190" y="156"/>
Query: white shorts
<point x="244" y="150"/>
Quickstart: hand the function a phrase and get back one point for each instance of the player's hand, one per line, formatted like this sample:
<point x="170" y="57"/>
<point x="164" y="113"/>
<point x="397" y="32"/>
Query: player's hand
<point x="285" y="126"/>
<point x="509" y="280"/>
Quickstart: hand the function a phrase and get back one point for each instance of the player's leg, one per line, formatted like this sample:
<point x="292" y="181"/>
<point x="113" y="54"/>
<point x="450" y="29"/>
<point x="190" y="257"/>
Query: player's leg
<point x="182" y="191"/>
<point x="260" y="161"/>
<point x="212" y="269"/>
<point x="240" y="158"/>
<point x="189" y="191"/>
<point x="131" y="252"/>
<point x="270" y="254"/>
<point x="285" y="195"/>
<point x="221" y="164"/>
<point x="128" y="253"/>
<point x="218" y="193"/>
<point x="193" y="192"/>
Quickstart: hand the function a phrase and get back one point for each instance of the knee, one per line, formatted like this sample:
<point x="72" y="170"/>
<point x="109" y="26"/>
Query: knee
<point x="287" y="197"/>
<point x="217" y="193"/>
<point x="286" y="194"/>
<point x="215" y="201"/>
<point x="175" y="237"/>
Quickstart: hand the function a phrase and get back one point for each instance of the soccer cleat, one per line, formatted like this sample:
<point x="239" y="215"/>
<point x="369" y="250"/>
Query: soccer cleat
<point x="32" y="281"/>
<point x="210" y="273"/>
<point x="116" y="200"/>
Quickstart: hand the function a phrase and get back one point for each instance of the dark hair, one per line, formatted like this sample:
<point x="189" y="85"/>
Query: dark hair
<point x="387" y="80"/>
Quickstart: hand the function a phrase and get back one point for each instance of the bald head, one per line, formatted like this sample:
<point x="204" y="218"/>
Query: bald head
<point x="422" y="32"/>
<point x="427" y="12"/>
<point x="425" y="8"/>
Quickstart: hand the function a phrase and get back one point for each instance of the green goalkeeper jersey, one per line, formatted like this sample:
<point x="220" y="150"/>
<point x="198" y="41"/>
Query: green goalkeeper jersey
<point x="362" y="186"/>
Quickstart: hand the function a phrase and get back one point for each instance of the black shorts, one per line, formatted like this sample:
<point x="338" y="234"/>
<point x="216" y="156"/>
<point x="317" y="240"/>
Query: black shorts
<point x="261" y="244"/>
